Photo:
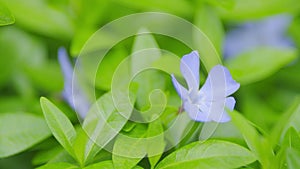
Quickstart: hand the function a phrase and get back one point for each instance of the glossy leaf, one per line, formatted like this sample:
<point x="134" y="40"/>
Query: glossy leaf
<point x="20" y="131"/>
<point x="250" y="66"/>
<point x="59" y="124"/>
<point x="209" y="154"/>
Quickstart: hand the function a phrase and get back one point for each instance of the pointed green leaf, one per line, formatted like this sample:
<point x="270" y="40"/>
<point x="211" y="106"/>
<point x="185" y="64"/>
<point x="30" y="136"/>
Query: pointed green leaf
<point x="259" y="145"/>
<point x="59" y="124"/>
<point x="211" y="154"/>
<point x="250" y="66"/>
<point x="20" y="131"/>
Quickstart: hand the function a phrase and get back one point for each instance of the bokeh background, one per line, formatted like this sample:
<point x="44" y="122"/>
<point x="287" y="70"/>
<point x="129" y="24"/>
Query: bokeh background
<point x="258" y="40"/>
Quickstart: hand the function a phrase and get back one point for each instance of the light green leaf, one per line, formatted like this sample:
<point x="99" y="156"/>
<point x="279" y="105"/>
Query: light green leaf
<point x="291" y="139"/>
<point x="212" y="154"/>
<point x="293" y="158"/>
<point x="130" y="148"/>
<point x="58" y="166"/>
<point x="259" y="145"/>
<point x="179" y="7"/>
<point x="290" y="118"/>
<point x="253" y="9"/>
<point x="20" y="131"/>
<point x="156" y="143"/>
<point x="209" y="22"/>
<point x="226" y="4"/>
<point x="102" y="165"/>
<point x="250" y="66"/>
<point x="59" y="124"/>
<point x="101" y="125"/>
<point x="6" y="17"/>
<point x="42" y="18"/>
<point x="145" y="53"/>
<point x="105" y="165"/>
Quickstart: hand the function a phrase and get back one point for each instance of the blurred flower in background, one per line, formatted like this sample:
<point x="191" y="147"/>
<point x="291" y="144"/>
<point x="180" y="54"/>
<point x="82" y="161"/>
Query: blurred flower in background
<point x="270" y="31"/>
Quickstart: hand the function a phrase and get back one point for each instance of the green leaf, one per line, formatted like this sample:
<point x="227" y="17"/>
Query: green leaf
<point x="58" y="166"/>
<point x="212" y="154"/>
<point x="293" y="158"/>
<point x="6" y="17"/>
<point x="251" y="66"/>
<point x="59" y="124"/>
<point x="102" y="165"/>
<point x="155" y="143"/>
<point x="226" y="4"/>
<point x="20" y="131"/>
<point x="254" y="9"/>
<point x="145" y="53"/>
<point x="38" y="13"/>
<point x="130" y="148"/>
<point x="101" y="125"/>
<point x="105" y="165"/>
<point x="209" y="22"/>
<point x="290" y="118"/>
<point x="259" y="145"/>
<point x="179" y="7"/>
<point x="291" y="139"/>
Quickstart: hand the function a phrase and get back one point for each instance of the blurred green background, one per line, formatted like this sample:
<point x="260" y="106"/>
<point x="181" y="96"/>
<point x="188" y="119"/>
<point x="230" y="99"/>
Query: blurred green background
<point x="29" y="69"/>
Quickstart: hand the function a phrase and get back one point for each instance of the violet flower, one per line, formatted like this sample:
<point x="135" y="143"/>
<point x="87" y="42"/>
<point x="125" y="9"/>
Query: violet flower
<point x="211" y="101"/>
<point x="72" y="92"/>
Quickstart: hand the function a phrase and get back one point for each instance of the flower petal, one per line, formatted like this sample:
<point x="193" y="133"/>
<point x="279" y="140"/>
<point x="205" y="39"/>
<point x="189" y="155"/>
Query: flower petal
<point x="219" y="84"/>
<point x="194" y="112"/>
<point x="182" y="92"/>
<point x="189" y="68"/>
<point x="224" y="117"/>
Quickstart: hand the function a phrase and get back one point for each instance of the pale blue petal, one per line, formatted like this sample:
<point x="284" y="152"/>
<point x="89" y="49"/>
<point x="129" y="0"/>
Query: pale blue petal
<point x="67" y="71"/>
<point x="189" y="68"/>
<point x="72" y="92"/>
<point x="194" y="112"/>
<point x="224" y="117"/>
<point x="182" y="92"/>
<point x="219" y="84"/>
